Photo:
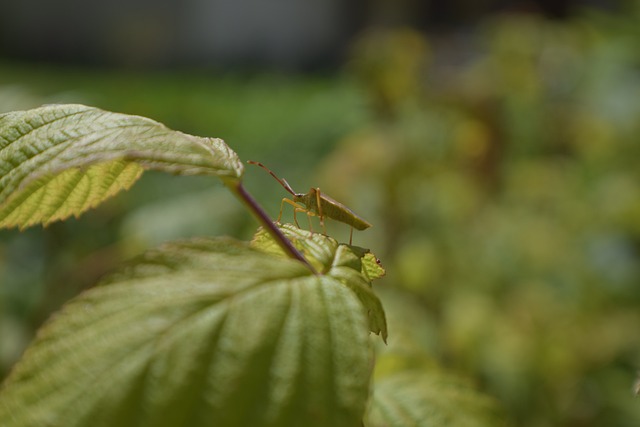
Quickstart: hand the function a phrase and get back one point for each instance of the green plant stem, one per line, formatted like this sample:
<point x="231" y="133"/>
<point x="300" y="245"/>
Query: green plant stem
<point x="238" y="189"/>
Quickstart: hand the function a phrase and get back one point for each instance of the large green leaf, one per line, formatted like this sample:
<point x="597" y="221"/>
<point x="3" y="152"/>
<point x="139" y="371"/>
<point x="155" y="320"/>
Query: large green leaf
<point x="60" y="160"/>
<point x="353" y="266"/>
<point x="430" y="399"/>
<point x="207" y="332"/>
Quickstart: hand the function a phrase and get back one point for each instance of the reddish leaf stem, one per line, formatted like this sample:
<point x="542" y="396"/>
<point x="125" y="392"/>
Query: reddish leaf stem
<point x="238" y="189"/>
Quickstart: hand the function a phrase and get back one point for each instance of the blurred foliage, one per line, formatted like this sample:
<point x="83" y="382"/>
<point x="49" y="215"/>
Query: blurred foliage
<point x="498" y="166"/>
<point x="502" y="176"/>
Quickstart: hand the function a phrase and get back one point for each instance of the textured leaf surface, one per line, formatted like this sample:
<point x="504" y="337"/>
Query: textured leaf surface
<point x="60" y="160"/>
<point x="206" y="332"/>
<point x="351" y="265"/>
<point x="372" y="267"/>
<point x="418" y="399"/>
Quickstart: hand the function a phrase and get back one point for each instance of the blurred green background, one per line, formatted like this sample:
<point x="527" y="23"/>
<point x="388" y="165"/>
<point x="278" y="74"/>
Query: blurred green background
<point x="497" y="160"/>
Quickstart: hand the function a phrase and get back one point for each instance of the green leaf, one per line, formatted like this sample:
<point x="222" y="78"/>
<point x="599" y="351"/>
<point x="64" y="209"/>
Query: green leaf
<point x="372" y="266"/>
<point x="60" y="160"/>
<point x="421" y="399"/>
<point x="207" y="332"/>
<point x="351" y="265"/>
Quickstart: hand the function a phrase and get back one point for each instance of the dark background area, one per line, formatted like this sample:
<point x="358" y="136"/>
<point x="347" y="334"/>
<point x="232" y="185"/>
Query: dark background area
<point x="281" y="34"/>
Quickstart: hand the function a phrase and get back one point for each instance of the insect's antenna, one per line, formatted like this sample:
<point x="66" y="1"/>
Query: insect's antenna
<point x="282" y="182"/>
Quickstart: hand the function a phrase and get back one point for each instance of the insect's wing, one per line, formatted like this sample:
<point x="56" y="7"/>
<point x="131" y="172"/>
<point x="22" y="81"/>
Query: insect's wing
<point x="335" y="210"/>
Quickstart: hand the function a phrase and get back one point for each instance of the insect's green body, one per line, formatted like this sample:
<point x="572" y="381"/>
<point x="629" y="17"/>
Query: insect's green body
<point x="330" y="208"/>
<point x="314" y="203"/>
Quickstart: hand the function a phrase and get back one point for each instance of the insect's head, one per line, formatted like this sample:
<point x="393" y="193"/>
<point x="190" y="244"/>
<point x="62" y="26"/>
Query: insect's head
<point x="299" y="198"/>
<point x="282" y="182"/>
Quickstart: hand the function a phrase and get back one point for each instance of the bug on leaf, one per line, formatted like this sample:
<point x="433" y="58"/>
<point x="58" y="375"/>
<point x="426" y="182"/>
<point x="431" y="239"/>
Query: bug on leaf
<point x="314" y="203"/>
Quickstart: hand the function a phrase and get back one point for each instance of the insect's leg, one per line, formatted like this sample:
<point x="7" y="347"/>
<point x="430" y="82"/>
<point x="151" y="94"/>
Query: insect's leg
<point x="281" y="208"/>
<point x="309" y="215"/>
<point x="318" y="198"/>
<point x="351" y="235"/>
<point x="296" y="208"/>
<point x="295" y="218"/>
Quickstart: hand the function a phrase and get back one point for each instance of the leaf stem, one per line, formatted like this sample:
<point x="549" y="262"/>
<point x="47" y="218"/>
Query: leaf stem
<point x="238" y="189"/>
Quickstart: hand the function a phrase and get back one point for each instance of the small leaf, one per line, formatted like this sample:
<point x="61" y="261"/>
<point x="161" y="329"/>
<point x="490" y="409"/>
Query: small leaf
<point x="433" y="399"/>
<point x="206" y="332"/>
<point x="60" y="160"/>
<point x="349" y="264"/>
<point x="372" y="266"/>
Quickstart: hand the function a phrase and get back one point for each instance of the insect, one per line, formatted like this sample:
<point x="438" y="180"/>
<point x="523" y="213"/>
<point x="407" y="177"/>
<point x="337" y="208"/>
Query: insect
<point x="314" y="203"/>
